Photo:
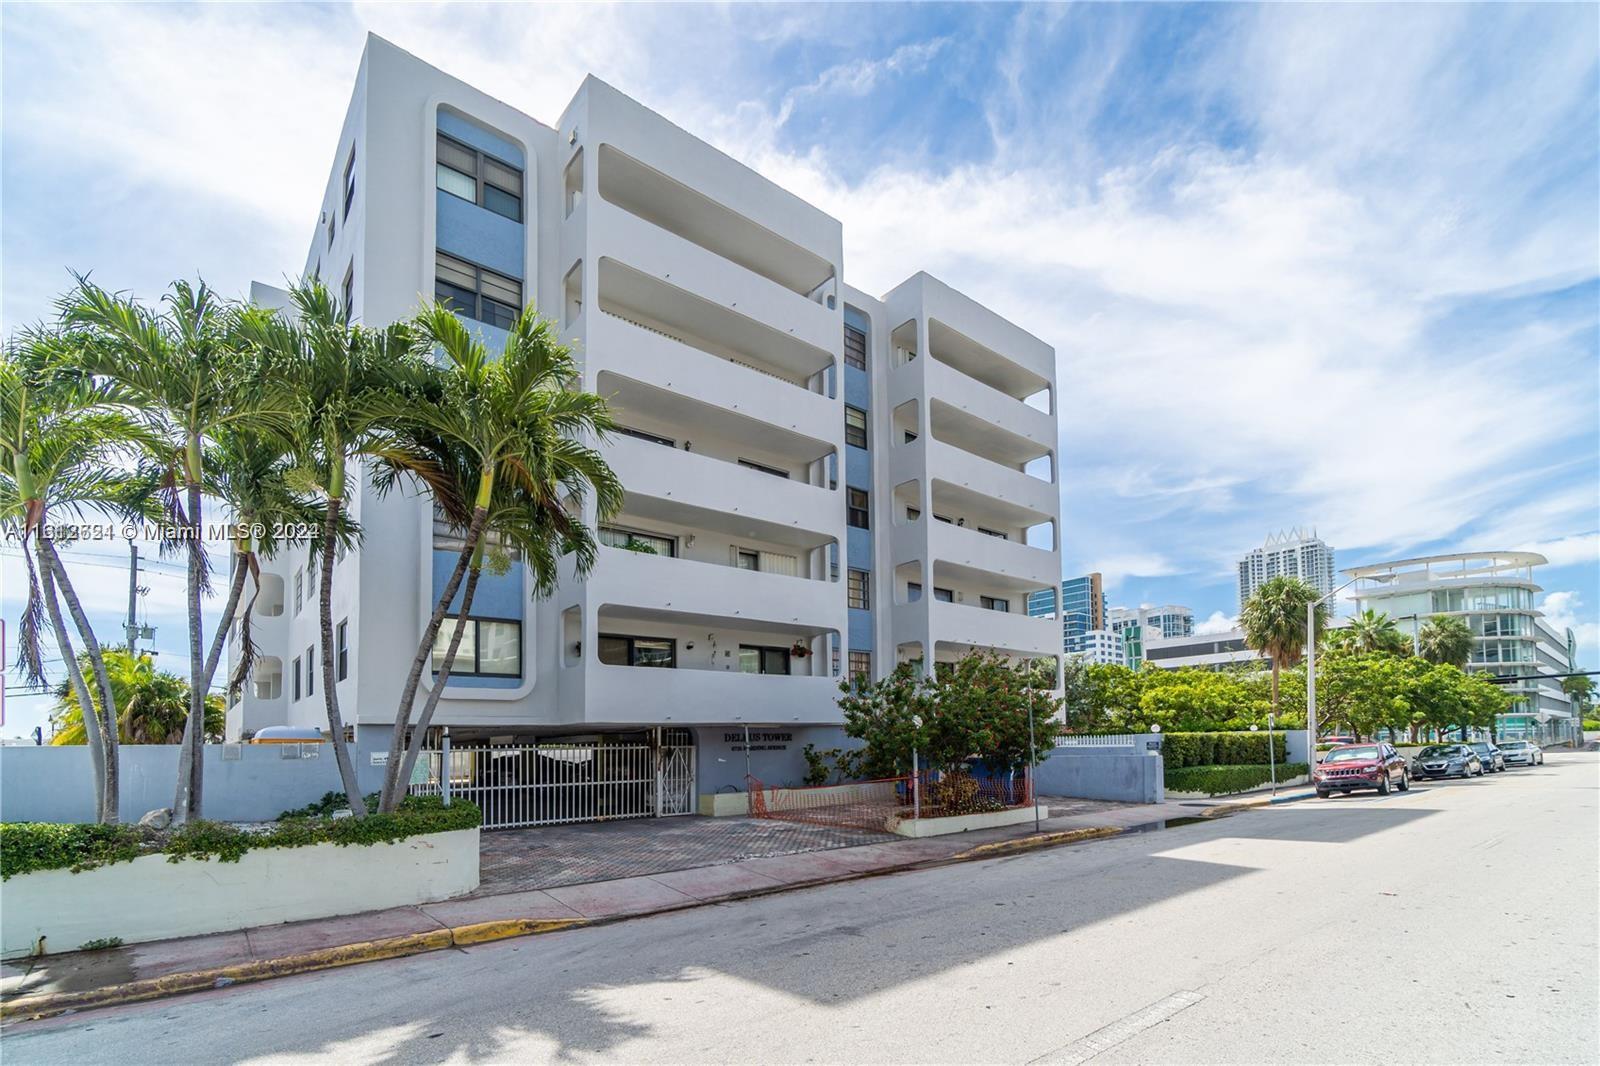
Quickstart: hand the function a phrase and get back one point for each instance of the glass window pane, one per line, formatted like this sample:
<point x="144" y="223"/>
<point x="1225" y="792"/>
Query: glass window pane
<point x="507" y="178"/>
<point x="456" y="183"/>
<point x="614" y="651"/>
<point x="499" y="287"/>
<point x="462" y="301"/>
<point x="774" y="660"/>
<point x="502" y="203"/>
<point x="500" y="648"/>
<point x="649" y="652"/>
<point x="455" y="271"/>
<point x="750" y="660"/>
<point x="465" y="655"/>
<point x="498" y="314"/>
<point x="459" y="156"/>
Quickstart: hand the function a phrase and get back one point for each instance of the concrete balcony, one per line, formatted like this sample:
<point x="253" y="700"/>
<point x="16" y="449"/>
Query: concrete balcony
<point x="1021" y="567"/>
<point x="1034" y="430"/>
<point x="702" y="483"/>
<point x="650" y="357"/>
<point x="962" y="469"/>
<point x="625" y="695"/>
<point x="973" y="627"/>
<point x="635" y="242"/>
<point x="706" y="593"/>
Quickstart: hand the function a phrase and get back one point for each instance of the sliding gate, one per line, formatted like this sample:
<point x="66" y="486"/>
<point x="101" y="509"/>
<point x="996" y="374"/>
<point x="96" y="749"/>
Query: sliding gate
<point x="554" y="783"/>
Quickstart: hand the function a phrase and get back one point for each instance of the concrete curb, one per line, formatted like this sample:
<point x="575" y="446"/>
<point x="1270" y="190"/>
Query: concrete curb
<point x="1245" y="805"/>
<point x="50" y="1004"/>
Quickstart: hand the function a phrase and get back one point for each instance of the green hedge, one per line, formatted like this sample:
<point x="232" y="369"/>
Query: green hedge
<point x="1591" y="724"/>
<point x="29" y="846"/>
<point x="1220" y="749"/>
<point x="1221" y="780"/>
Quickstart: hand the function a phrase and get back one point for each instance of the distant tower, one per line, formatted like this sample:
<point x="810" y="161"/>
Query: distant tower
<point x="1295" y="553"/>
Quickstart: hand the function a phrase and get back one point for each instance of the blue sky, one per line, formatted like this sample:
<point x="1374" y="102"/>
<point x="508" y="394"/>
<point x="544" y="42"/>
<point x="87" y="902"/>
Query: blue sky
<point x="1302" y="265"/>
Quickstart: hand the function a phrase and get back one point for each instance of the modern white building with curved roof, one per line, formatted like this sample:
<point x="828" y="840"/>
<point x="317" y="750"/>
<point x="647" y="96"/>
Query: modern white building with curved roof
<point x="1493" y="593"/>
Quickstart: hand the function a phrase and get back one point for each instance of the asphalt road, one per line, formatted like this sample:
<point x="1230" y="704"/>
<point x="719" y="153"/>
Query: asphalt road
<point x="1456" y="923"/>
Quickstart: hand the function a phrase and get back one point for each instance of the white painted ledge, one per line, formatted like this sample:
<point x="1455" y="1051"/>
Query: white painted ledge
<point x="966" y="823"/>
<point x="153" y="899"/>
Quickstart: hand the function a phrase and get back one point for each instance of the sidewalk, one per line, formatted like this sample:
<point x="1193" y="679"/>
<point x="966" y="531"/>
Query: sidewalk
<point x="79" y="980"/>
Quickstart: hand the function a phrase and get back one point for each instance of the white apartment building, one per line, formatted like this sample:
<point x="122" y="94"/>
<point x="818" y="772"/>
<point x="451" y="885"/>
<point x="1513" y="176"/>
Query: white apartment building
<point x="1138" y="626"/>
<point x="825" y="482"/>
<point x="1212" y="651"/>
<point x="1295" y="553"/>
<point x="1493" y="593"/>
<point x="1098" y="646"/>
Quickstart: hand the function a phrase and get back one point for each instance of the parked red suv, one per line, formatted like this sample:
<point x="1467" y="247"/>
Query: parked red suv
<point x="1353" y="766"/>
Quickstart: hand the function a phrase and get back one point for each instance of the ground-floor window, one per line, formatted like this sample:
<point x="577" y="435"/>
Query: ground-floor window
<point x="623" y="650"/>
<point x="861" y="665"/>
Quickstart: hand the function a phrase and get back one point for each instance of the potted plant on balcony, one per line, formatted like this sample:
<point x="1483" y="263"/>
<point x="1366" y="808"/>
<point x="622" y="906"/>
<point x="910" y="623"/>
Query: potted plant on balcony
<point x="799" y="651"/>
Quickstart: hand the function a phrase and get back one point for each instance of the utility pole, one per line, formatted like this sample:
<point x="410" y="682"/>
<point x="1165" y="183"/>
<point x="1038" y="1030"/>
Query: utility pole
<point x="133" y="599"/>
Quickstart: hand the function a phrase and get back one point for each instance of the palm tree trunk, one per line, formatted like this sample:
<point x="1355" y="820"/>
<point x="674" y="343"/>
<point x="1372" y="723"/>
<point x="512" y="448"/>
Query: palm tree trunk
<point x="247" y="645"/>
<point x="109" y="714"/>
<point x="187" y="805"/>
<point x="392" y="782"/>
<point x="414" y="746"/>
<point x="91" y="720"/>
<point x="330" y="690"/>
<point x="219" y="640"/>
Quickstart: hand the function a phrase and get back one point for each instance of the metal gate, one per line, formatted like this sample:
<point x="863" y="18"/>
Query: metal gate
<point x="676" y="787"/>
<point x="559" y="783"/>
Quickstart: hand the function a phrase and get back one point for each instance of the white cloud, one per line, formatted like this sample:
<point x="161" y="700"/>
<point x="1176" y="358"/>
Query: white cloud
<point x="1565" y="610"/>
<point x="1216" y="623"/>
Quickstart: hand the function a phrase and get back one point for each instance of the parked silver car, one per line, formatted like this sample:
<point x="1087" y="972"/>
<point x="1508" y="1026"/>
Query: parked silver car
<point x="1522" y="753"/>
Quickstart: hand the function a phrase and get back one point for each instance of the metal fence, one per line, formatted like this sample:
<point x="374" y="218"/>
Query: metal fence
<point x="559" y="783"/>
<point x="1123" y="740"/>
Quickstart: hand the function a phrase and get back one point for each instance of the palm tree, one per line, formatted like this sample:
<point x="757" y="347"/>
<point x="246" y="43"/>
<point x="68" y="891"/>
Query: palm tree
<point x="1372" y="631"/>
<point x="189" y="376"/>
<point x="336" y="370"/>
<point x="510" y="434"/>
<point x="152" y="705"/>
<point x="1445" y="639"/>
<point x="1580" y="687"/>
<point x="1274" y="623"/>
<point x="64" y="450"/>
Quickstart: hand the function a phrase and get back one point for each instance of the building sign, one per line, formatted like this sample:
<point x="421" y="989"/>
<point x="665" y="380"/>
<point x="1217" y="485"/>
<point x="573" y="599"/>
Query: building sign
<point x="759" y="741"/>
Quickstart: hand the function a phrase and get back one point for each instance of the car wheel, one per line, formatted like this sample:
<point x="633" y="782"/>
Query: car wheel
<point x="1405" y="781"/>
<point x="1383" y="785"/>
<point x="1322" y="793"/>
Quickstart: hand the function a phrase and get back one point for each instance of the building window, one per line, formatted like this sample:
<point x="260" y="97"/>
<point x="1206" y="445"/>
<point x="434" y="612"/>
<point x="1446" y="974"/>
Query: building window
<point x="943" y="595"/>
<point x="349" y="181"/>
<point x="618" y="650"/>
<point x="754" y="659"/>
<point x="912" y="514"/>
<point x="856" y="509"/>
<point x="297" y="677"/>
<point x="347" y="291"/>
<point x="910" y="437"/>
<point x="993" y="533"/>
<point x="855" y="427"/>
<point x="752" y="465"/>
<point x="343" y="643"/>
<point x="857" y="590"/>
<point x="861" y="666"/>
<point x="311" y="670"/>
<point x="333" y="225"/>
<point x="855" y="348"/>
<point x="991" y="603"/>
<point x="299" y="589"/>
<point x="653" y="438"/>
<point x="635" y="541"/>
<point x="913" y="591"/>
<point x="479" y="179"/>
<point x="490" y="647"/>
<point x="746" y="560"/>
<point x="475" y="292"/>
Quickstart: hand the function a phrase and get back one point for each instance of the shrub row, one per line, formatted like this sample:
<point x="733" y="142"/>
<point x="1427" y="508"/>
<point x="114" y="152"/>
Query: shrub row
<point x="26" y="847"/>
<point x="1220" y="749"/>
<point x="1222" y="780"/>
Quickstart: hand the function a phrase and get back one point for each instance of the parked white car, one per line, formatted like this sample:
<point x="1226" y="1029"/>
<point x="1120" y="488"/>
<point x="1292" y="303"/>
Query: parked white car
<point x="1522" y="753"/>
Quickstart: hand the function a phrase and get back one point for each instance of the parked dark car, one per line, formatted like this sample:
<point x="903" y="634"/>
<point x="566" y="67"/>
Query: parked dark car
<point x="1353" y="766"/>
<point x="1490" y="756"/>
<point x="1522" y="753"/>
<point x="1446" y="760"/>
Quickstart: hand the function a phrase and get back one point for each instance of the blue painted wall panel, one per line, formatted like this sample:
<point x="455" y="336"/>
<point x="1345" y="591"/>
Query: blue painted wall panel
<point x="857" y="388"/>
<point x="481" y="139"/>
<point x="479" y="235"/>
<point x="497" y="596"/>
<point x="860" y="636"/>
<point x="858" y="548"/>
<point x="857" y="468"/>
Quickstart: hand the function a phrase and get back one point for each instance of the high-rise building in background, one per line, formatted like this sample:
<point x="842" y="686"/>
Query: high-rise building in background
<point x="1083" y="609"/>
<point x="1493" y="593"/>
<point x="1295" y="553"/>
<point x="1139" y="625"/>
